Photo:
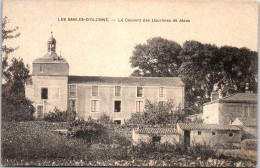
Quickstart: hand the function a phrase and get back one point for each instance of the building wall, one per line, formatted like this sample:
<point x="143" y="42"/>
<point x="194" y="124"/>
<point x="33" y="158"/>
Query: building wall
<point x="106" y="97"/>
<point x="60" y="69"/>
<point x="171" y="139"/>
<point x="57" y="92"/>
<point x="228" y="112"/>
<point x="211" y="113"/>
<point x="221" y="137"/>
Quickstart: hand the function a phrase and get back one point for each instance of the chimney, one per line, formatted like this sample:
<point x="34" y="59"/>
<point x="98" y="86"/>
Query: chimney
<point x="214" y="96"/>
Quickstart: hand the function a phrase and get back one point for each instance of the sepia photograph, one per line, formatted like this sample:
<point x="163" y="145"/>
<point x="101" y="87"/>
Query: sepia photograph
<point x="169" y="83"/>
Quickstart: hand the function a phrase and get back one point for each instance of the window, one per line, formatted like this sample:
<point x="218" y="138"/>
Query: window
<point x="139" y="106"/>
<point x="117" y="106"/>
<point x="231" y="134"/>
<point x="39" y="111"/>
<point x="94" y="90"/>
<point x="41" y="68"/>
<point x="139" y="92"/>
<point x="118" y="91"/>
<point x="161" y="92"/>
<point x="44" y="94"/>
<point x="156" y="139"/>
<point x="213" y="133"/>
<point x="72" y="105"/>
<point x="199" y="132"/>
<point x="117" y="122"/>
<point x="72" y="90"/>
<point x="94" y="105"/>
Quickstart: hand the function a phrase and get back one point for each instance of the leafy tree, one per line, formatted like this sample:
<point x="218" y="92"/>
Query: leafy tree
<point x="15" y="106"/>
<point x="204" y="66"/>
<point x="158" y="113"/>
<point x="198" y="71"/>
<point x="158" y="57"/>
<point x="237" y="70"/>
<point x="6" y="50"/>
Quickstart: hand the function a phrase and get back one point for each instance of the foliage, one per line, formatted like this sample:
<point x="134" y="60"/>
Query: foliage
<point x="34" y="143"/>
<point x="90" y="131"/>
<point x="206" y="67"/>
<point x="158" y="113"/>
<point x="158" y="57"/>
<point x="104" y="119"/>
<point x="15" y="106"/>
<point x="60" y="116"/>
<point x="7" y="34"/>
<point x="249" y="144"/>
<point x="202" y="67"/>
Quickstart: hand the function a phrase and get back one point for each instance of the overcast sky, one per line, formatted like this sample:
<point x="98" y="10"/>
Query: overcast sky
<point x="104" y="48"/>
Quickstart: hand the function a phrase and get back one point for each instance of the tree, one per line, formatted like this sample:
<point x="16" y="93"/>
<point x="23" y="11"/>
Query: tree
<point x="15" y="106"/>
<point x="204" y="66"/>
<point x="7" y="34"/>
<point x="158" y="113"/>
<point x="198" y="71"/>
<point x="237" y="70"/>
<point x="157" y="58"/>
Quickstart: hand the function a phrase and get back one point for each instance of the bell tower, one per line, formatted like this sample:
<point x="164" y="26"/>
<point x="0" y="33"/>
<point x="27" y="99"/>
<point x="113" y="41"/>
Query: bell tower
<point x="49" y="87"/>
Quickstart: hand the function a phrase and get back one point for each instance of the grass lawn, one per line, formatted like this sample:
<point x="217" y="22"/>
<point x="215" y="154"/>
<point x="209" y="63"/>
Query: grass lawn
<point x="34" y="144"/>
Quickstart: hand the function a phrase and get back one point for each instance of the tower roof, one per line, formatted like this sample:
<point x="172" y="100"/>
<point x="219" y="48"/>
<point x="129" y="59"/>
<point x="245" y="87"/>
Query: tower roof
<point x="50" y="57"/>
<point x="52" y="39"/>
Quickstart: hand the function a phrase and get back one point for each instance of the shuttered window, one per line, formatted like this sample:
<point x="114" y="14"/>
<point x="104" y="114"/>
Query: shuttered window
<point x="95" y="106"/>
<point x="94" y="90"/>
<point x="118" y="91"/>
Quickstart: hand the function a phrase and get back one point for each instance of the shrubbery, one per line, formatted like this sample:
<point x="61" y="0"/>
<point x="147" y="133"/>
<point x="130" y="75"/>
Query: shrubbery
<point x="90" y="131"/>
<point x="15" y="106"/>
<point x="60" y="116"/>
<point x="158" y="113"/>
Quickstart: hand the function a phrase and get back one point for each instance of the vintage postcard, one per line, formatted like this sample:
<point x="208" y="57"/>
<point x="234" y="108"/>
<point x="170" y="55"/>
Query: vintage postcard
<point x="169" y="83"/>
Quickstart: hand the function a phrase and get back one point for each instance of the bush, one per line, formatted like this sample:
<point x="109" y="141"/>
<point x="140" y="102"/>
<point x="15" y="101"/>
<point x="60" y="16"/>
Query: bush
<point x="60" y="116"/>
<point x="104" y="119"/>
<point x="158" y="113"/>
<point x="90" y="131"/>
<point x="15" y="106"/>
<point x="249" y="144"/>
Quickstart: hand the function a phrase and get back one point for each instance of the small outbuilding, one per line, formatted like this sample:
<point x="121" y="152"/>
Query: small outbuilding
<point x="248" y="126"/>
<point x="210" y="134"/>
<point x="155" y="135"/>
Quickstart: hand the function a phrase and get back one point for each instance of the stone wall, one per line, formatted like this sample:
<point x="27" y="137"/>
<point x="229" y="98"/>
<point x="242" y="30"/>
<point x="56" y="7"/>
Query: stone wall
<point x="221" y="137"/>
<point x="171" y="139"/>
<point x="230" y="111"/>
<point x="106" y="97"/>
<point x="211" y="113"/>
<point x="57" y="92"/>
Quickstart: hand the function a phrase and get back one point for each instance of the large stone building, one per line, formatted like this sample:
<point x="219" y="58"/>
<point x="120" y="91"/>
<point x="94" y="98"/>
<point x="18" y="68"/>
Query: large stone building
<point x="51" y="86"/>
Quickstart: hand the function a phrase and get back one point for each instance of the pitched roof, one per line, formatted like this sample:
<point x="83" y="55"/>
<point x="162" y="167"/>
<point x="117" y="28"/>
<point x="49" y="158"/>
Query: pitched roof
<point x="197" y="126"/>
<point x="237" y="98"/>
<point x="248" y="121"/>
<point x="156" y="131"/>
<point x="141" y="81"/>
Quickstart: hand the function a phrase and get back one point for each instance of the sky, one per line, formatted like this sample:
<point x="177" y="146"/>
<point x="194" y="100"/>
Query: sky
<point x="95" y="48"/>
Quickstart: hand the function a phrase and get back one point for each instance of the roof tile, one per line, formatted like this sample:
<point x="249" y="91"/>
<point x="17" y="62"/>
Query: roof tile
<point x="141" y="81"/>
<point x="197" y="126"/>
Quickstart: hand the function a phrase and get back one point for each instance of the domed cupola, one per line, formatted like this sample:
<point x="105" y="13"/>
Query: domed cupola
<point x="51" y="44"/>
<point x="50" y="64"/>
